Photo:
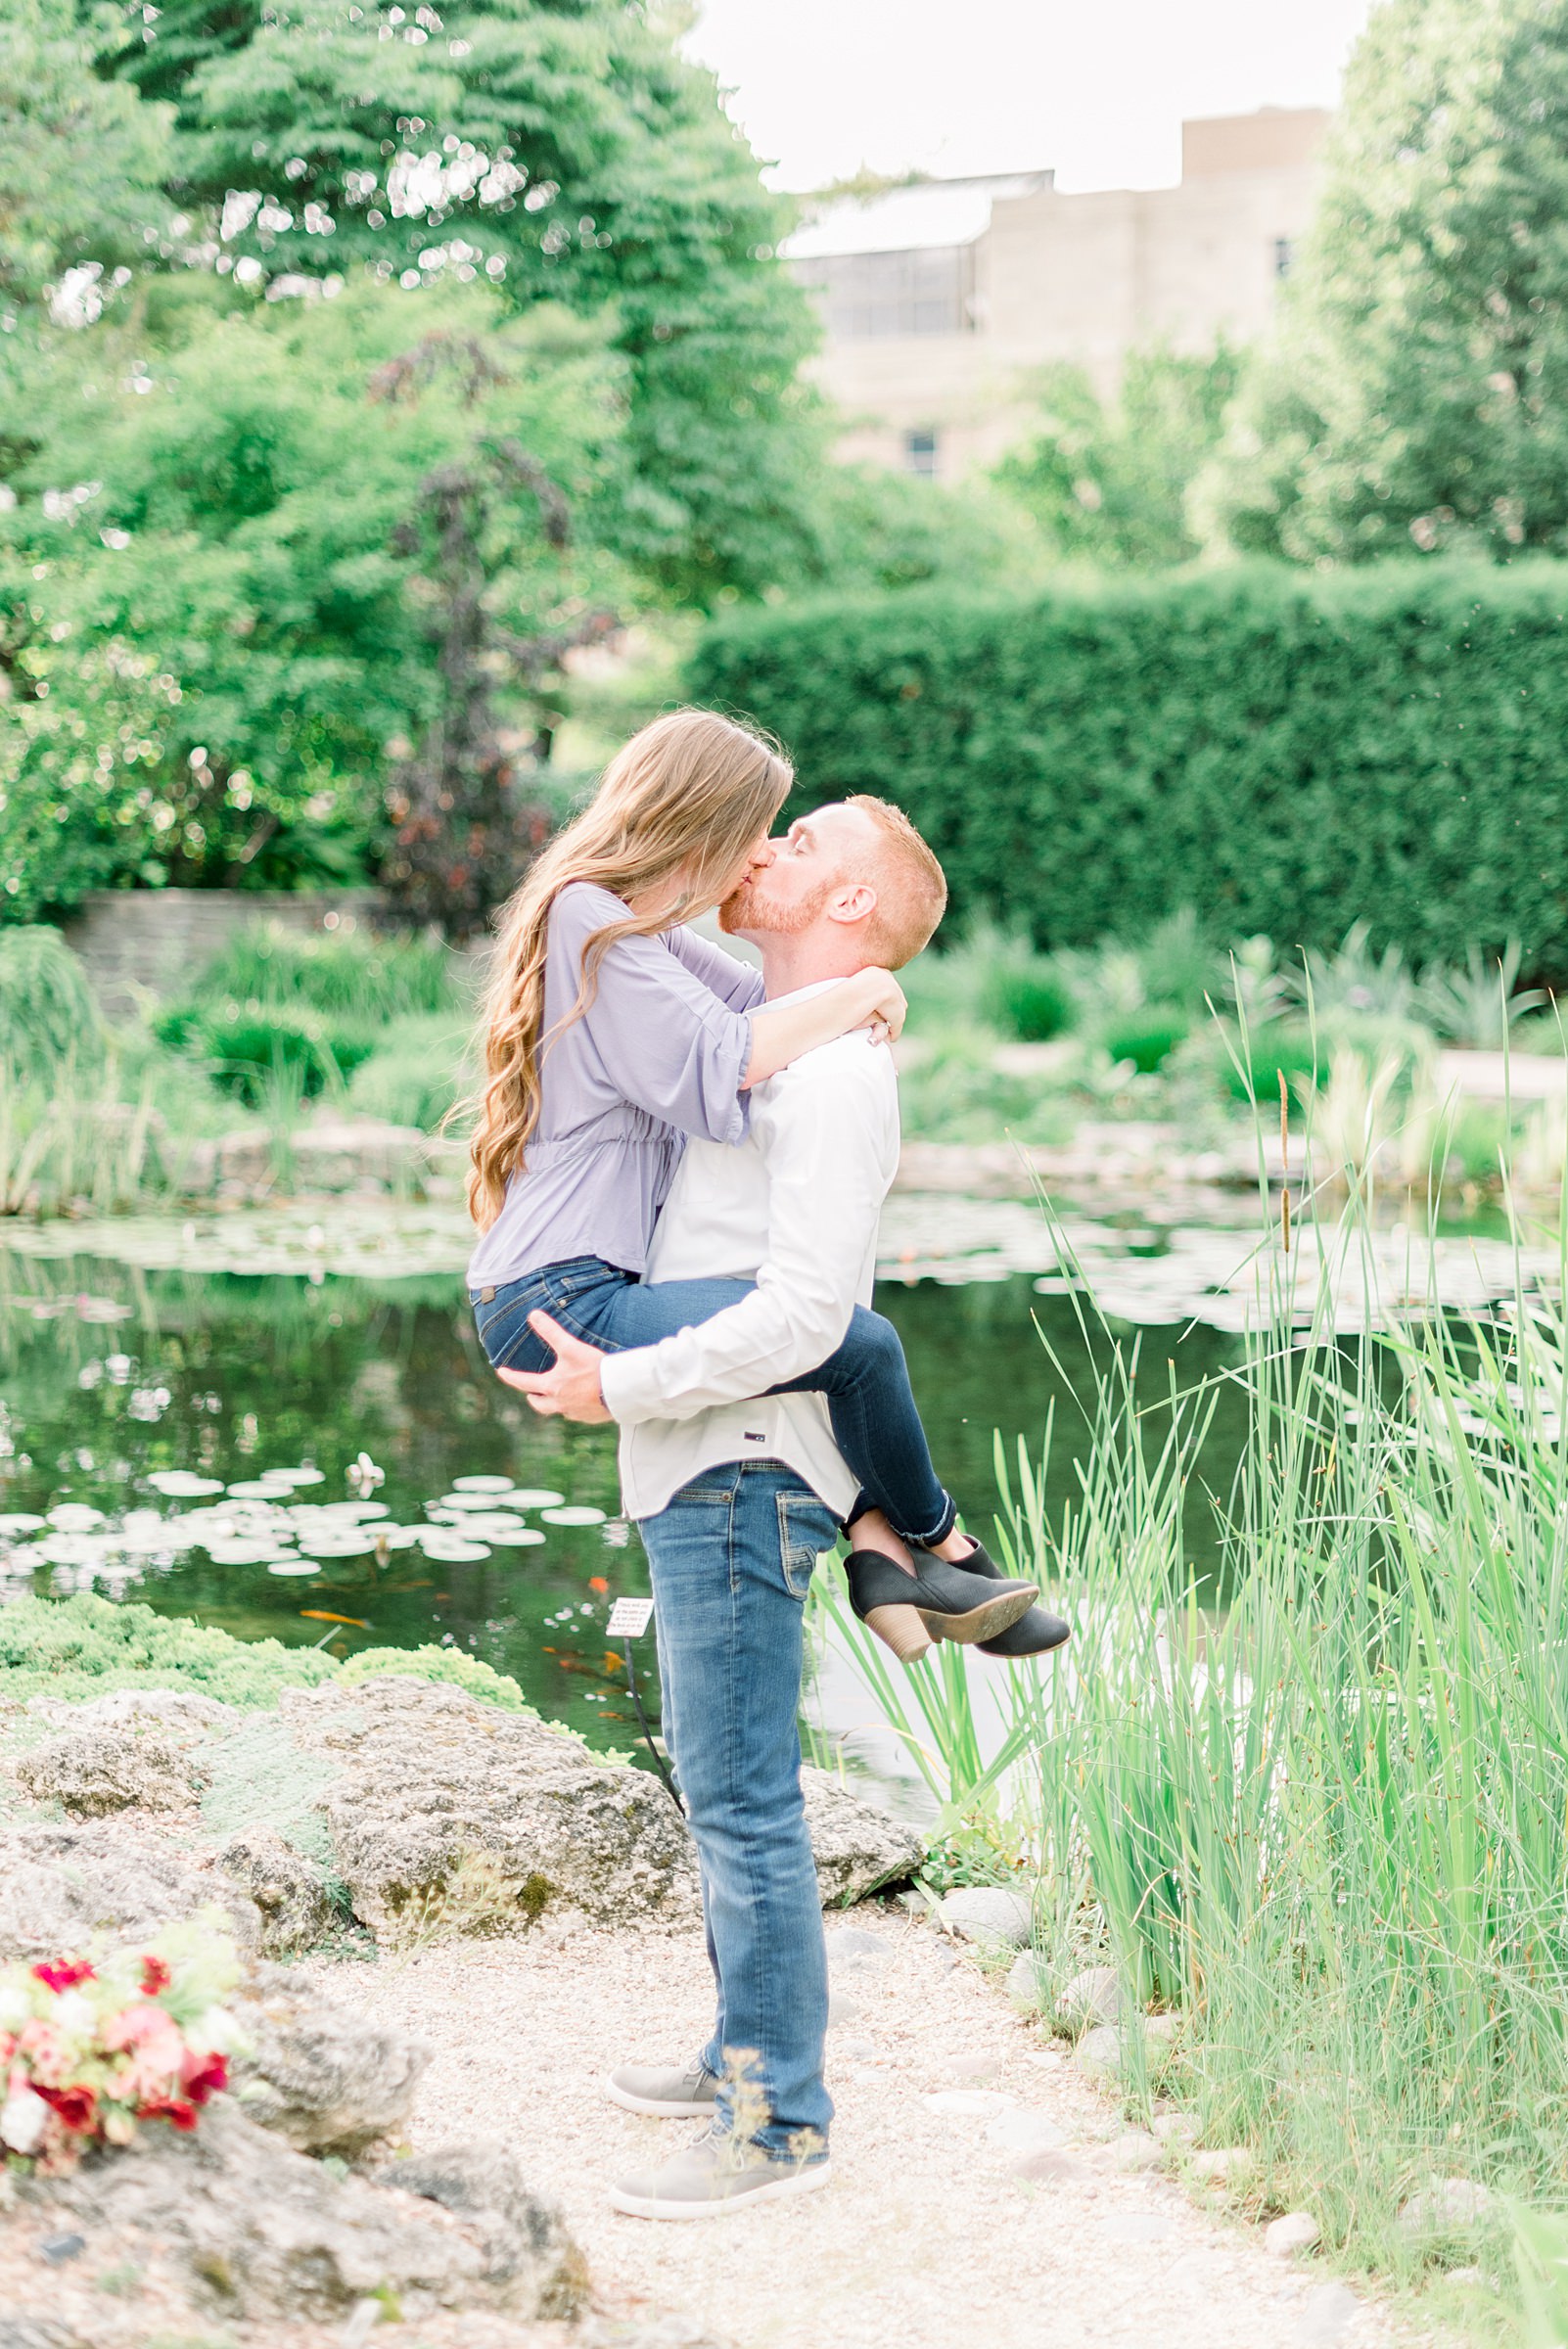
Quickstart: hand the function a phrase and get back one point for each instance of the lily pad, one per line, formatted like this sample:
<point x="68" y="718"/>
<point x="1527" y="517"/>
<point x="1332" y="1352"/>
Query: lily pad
<point x="238" y="1553"/>
<point x="18" y="1522"/>
<point x="179" y="1484"/>
<point x="482" y="1484"/>
<point x="446" y="1552"/>
<point x="342" y="1543"/>
<point x="531" y="1496"/>
<point x="256" y="1488"/>
<point x="75" y="1517"/>
<point x="292" y="1566"/>
<point x="524" y="1538"/>
<point x="574" y="1516"/>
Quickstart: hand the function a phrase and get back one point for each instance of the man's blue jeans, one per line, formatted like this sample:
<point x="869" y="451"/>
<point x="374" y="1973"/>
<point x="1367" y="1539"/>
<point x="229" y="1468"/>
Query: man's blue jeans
<point x="732" y="1559"/>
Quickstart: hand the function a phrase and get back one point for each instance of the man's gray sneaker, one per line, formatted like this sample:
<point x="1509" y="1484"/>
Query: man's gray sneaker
<point x="678" y="2094"/>
<point x="716" y="2177"/>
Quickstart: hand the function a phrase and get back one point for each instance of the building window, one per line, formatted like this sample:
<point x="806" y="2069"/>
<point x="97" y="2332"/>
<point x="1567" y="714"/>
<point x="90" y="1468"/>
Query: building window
<point x="920" y="451"/>
<point x="870" y="296"/>
<point x="1285" y="254"/>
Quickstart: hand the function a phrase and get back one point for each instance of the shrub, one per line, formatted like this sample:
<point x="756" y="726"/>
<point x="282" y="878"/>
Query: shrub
<point x="416" y="1073"/>
<point x="1286" y="754"/>
<point x="83" y="1646"/>
<point x="1147" y="1038"/>
<point x="354" y="973"/>
<point x="249" y="1047"/>
<point x="1026" y="1000"/>
<point x="1273" y="1052"/>
<point x="48" y="1016"/>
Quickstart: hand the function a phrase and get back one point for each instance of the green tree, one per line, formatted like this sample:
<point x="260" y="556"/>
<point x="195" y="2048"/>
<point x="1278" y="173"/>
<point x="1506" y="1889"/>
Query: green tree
<point x="563" y="149"/>
<point x="79" y="161"/>
<point x="344" y="529"/>
<point x="1417" y="391"/>
<point x="1107" y="480"/>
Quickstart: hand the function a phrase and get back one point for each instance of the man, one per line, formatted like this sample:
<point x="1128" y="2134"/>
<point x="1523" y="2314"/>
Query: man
<point x="735" y="1499"/>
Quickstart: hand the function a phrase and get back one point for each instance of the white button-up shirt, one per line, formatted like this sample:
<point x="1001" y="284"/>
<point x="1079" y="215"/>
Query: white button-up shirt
<point x="793" y="1208"/>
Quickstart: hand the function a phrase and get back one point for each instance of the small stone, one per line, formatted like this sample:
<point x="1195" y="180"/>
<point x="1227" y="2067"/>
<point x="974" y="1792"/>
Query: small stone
<point x="58" y="2248"/>
<point x="1162" y="2027"/>
<point x="1100" y="2052"/>
<point x="860" y="2051"/>
<point x="1025" y="2132"/>
<point x="290" y="1891"/>
<point x="841" y="2010"/>
<point x="1132" y="2153"/>
<point x="1176" y="2128"/>
<point x="1027" y="1987"/>
<point x="1135" y="2227"/>
<point x="1219" y="2165"/>
<point x="1449" y="2207"/>
<point x="1297" y="2230"/>
<point x="1047" y="2164"/>
<point x="1093" y="1996"/>
<point x="849" y="1941"/>
<point x="967" y="2103"/>
<point x="1327" y="2312"/>
<point x="1468" y="2275"/>
<point x="990" y="1912"/>
<point x="970" y="2067"/>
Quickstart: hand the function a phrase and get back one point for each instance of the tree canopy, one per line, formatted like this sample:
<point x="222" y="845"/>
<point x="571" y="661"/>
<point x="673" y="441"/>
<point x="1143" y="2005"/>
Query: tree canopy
<point x="1417" y="394"/>
<point x="1105" y="480"/>
<point x="563" y="150"/>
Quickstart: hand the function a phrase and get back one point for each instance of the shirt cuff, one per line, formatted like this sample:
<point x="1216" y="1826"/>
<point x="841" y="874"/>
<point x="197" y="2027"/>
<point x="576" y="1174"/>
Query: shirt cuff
<point x="628" y="1387"/>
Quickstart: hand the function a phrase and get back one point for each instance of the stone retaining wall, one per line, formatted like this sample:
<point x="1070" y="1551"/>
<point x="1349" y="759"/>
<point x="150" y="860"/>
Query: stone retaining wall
<point x="142" y="942"/>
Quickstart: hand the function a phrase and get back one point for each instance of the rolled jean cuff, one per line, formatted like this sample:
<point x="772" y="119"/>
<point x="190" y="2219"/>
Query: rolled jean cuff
<point x="944" y="1524"/>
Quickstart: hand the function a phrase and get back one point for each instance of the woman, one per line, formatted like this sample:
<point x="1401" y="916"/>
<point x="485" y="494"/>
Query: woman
<point x="612" y="1032"/>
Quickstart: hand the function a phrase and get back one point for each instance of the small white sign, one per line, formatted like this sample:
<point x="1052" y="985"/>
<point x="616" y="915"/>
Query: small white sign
<point x="629" y="1617"/>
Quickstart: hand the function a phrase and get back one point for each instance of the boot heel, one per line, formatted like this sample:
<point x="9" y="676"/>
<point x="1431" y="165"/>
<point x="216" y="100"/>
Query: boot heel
<point x="901" y="1629"/>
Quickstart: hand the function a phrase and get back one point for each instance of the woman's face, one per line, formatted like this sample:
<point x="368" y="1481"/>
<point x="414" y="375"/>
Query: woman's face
<point x="757" y="859"/>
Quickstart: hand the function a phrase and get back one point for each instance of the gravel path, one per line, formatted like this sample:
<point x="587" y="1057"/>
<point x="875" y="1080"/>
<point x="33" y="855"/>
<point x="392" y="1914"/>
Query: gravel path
<point x="928" y="2235"/>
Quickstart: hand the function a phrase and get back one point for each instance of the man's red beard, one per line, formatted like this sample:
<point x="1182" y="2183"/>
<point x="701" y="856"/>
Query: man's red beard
<point x="750" y="909"/>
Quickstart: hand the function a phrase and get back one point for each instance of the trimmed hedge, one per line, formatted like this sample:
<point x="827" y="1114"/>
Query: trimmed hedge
<point x="1286" y="754"/>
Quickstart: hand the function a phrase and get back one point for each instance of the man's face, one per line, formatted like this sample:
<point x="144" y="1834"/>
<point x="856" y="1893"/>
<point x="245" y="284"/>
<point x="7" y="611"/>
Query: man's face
<point x="822" y="852"/>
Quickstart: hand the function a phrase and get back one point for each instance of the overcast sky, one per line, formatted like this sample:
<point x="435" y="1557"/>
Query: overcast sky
<point x="1097" y="88"/>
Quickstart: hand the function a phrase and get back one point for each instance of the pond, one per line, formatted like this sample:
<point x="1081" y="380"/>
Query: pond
<point x="194" y="1436"/>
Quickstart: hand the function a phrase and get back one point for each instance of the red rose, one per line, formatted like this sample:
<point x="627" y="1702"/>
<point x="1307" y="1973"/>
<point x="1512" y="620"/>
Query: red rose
<point x="203" y="2075"/>
<point x="65" y="1976"/>
<point x="168" y="2108"/>
<point x="156" y="1976"/>
<point x="75" y="2108"/>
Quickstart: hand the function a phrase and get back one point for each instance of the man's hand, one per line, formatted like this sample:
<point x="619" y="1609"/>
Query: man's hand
<point x="570" y="1388"/>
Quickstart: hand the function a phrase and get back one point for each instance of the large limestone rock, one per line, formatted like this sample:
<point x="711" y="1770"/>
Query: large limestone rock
<point x="325" y="2079"/>
<point x="291" y="1892"/>
<point x="449" y="1815"/>
<point x="264" y="2232"/>
<point x="62" y="1886"/>
<point x="94" y="1771"/>
<point x="857" y="1847"/>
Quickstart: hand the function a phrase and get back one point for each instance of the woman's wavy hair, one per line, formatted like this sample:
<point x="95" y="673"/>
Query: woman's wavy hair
<point x="687" y="795"/>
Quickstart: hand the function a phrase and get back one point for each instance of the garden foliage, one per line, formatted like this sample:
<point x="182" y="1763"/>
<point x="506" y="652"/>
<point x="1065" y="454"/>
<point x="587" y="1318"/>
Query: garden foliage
<point x="1283" y="754"/>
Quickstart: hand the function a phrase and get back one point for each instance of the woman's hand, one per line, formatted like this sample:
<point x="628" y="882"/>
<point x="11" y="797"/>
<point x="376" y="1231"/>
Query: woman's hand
<point x="887" y="1007"/>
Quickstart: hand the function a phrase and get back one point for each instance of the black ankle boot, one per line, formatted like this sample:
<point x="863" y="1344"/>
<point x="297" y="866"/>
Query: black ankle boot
<point x="1035" y="1634"/>
<point x="938" y="1601"/>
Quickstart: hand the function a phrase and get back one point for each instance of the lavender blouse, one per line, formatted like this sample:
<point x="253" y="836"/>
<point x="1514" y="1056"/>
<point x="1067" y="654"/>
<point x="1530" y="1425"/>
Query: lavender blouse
<point x="659" y="1054"/>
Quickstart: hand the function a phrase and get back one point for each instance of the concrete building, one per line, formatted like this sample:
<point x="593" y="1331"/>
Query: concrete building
<point x="941" y="300"/>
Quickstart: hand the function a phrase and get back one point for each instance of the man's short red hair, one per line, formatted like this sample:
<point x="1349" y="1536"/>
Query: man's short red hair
<point x="911" y="885"/>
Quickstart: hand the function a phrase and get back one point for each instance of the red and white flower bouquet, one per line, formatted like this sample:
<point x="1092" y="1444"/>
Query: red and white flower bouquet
<point x="92" y="2046"/>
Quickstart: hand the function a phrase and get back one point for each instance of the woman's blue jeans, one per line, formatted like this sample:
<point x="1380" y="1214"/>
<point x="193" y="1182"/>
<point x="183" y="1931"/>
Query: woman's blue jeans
<point x="865" y="1383"/>
<point x="731" y="1560"/>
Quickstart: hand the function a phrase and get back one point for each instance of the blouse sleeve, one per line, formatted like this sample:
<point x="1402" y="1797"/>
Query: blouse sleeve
<point x="737" y="983"/>
<point x="666" y="1040"/>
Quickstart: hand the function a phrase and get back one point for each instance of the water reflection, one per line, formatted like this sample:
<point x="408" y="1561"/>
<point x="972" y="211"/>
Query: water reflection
<point x="133" y="1402"/>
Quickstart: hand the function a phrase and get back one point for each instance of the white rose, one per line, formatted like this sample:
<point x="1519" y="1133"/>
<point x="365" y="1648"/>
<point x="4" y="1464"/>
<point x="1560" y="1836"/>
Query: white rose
<point x="75" y="2014"/>
<point x="216" y="2033"/>
<point x="23" y="2120"/>
<point x="16" y="2005"/>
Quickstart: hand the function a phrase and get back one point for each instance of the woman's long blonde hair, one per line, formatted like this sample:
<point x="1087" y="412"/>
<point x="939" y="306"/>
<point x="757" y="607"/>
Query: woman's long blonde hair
<point x="688" y="795"/>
